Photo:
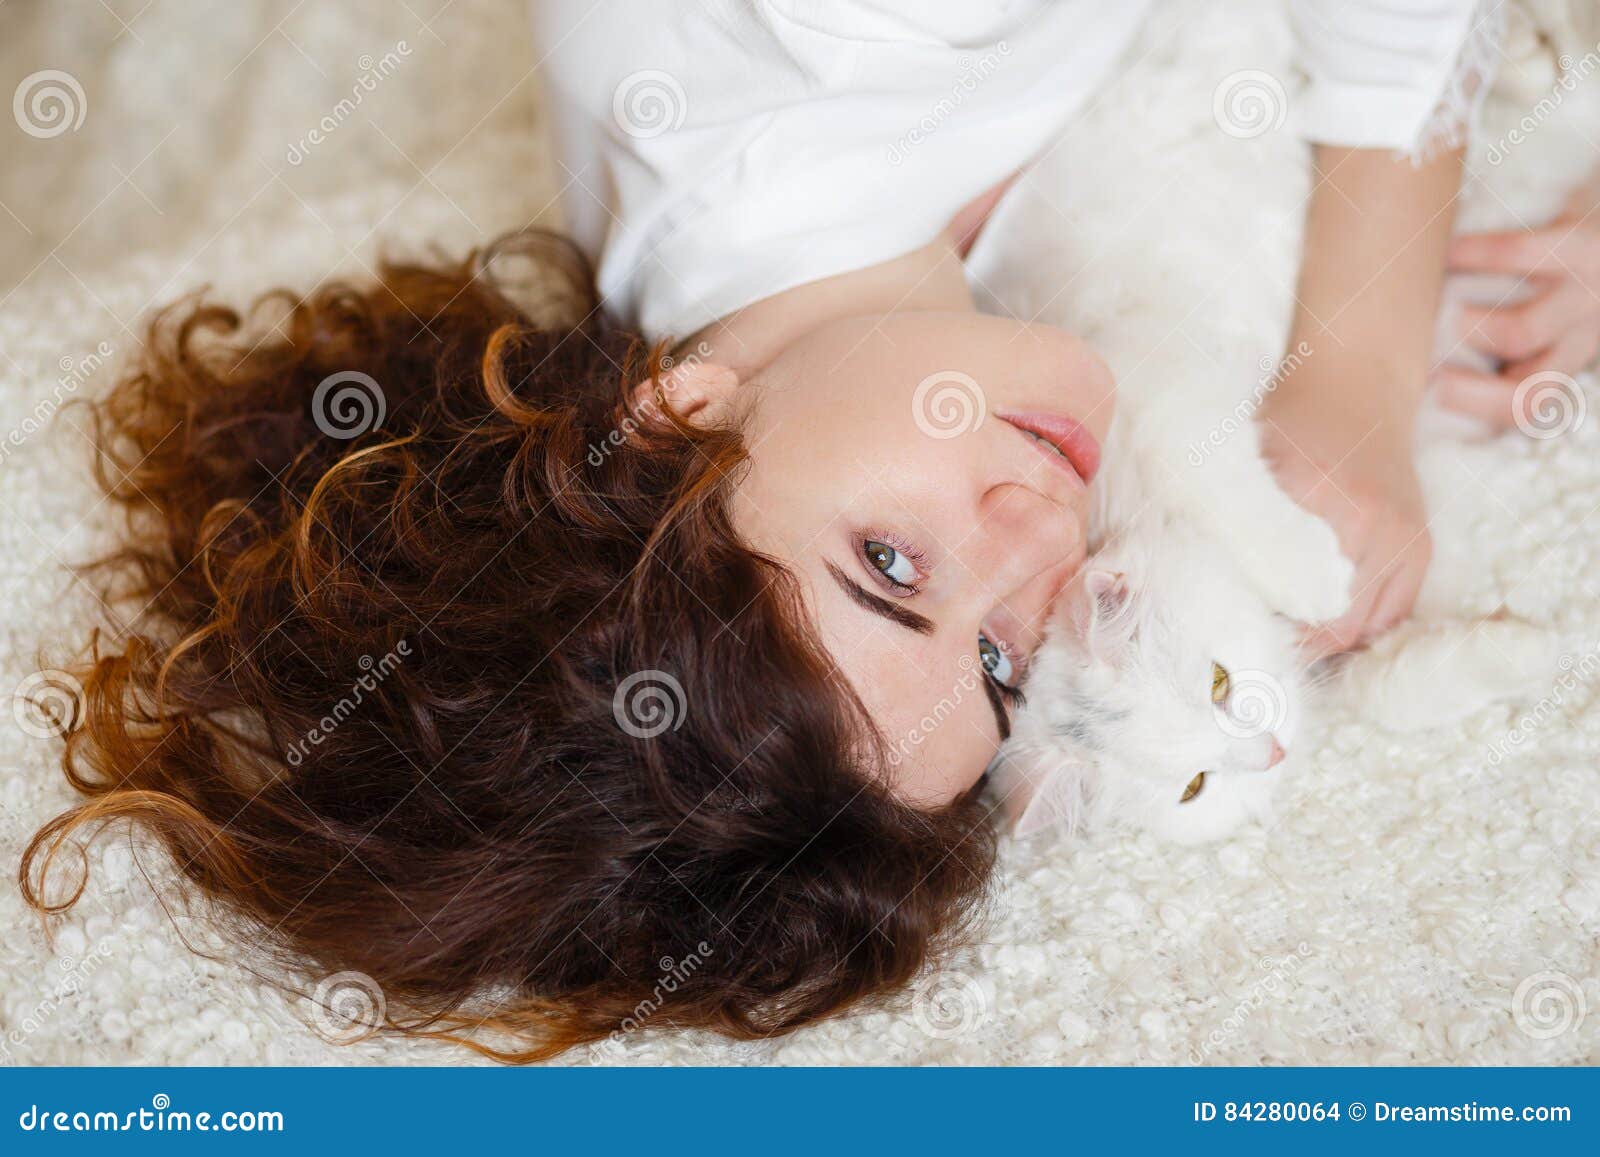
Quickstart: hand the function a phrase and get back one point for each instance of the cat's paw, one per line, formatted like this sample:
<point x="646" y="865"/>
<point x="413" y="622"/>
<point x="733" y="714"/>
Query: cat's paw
<point x="1298" y="568"/>
<point x="1287" y="554"/>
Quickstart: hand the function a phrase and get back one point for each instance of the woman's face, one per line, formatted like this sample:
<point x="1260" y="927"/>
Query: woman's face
<point x="890" y="469"/>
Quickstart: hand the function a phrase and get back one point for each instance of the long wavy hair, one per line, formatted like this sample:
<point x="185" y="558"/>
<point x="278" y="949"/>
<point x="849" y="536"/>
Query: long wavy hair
<point x="454" y="673"/>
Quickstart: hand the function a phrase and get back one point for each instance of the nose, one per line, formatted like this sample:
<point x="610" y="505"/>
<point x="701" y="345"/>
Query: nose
<point x="1275" y="756"/>
<point x="1021" y="553"/>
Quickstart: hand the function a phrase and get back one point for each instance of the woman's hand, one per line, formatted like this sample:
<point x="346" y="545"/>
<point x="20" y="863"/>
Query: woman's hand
<point x="1557" y="329"/>
<point x="1352" y="466"/>
<point x="1338" y="428"/>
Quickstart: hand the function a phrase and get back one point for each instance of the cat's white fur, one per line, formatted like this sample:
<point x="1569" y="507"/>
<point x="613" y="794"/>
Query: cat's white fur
<point x="1120" y="716"/>
<point x="1201" y="558"/>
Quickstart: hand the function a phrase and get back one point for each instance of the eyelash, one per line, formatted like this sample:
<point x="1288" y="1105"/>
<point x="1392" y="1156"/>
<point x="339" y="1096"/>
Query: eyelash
<point x="901" y="546"/>
<point x="1012" y="697"/>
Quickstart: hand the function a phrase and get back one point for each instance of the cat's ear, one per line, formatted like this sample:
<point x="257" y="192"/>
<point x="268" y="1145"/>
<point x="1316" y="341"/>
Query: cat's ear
<point x="1104" y="613"/>
<point x="1040" y="787"/>
<point x="1108" y="592"/>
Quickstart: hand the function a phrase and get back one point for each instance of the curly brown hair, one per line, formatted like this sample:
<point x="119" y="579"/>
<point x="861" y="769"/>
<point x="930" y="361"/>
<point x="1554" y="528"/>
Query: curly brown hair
<point x="601" y="732"/>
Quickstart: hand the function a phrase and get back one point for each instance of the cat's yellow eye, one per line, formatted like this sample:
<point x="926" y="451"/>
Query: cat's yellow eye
<point x="1195" y="784"/>
<point x="1219" y="686"/>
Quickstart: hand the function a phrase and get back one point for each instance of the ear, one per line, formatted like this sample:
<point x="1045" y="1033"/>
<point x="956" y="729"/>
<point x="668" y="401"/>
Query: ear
<point x="700" y="392"/>
<point x="1101" y="613"/>
<point x="1040" y="788"/>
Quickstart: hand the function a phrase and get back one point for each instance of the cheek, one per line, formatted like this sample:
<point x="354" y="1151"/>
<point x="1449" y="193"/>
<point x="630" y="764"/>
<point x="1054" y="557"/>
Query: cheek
<point x="849" y="416"/>
<point x="938" y="775"/>
<point x="940" y="732"/>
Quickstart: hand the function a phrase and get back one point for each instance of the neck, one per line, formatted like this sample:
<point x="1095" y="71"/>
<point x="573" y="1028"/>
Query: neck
<point x="747" y="340"/>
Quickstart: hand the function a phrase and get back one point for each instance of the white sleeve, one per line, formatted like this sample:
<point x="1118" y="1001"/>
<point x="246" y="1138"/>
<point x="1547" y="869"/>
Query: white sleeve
<point x="1407" y="75"/>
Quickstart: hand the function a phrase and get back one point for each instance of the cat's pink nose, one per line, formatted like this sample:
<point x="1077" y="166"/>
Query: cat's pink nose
<point x="1275" y="756"/>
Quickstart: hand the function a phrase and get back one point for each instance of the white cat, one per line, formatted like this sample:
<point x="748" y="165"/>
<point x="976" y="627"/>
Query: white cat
<point x="1169" y="695"/>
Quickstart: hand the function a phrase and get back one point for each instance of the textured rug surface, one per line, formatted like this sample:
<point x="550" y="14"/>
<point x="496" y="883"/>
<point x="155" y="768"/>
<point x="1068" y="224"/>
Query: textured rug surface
<point x="1414" y="901"/>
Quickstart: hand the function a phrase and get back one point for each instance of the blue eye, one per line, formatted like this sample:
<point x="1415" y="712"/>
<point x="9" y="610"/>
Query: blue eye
<point x="891" y="563"/>
<point x="995" y="662"/>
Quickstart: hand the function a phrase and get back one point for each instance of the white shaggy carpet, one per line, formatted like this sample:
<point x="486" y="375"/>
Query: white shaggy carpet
<point x="1412" y="904"/>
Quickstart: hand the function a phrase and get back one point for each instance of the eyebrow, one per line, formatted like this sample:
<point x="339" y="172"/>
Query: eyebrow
<point x="912" y="621"/>
<point x="879" y="605"/>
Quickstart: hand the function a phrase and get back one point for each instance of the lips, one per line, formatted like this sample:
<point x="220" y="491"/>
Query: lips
<point x="1075" y="448"/>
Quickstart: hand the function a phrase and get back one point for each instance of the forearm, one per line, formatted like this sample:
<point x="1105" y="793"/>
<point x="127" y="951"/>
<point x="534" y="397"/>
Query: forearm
<point x="1377" y="229"/>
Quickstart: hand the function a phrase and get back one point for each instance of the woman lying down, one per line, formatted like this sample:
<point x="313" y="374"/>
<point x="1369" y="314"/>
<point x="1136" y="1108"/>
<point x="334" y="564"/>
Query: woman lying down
<point x="513" y="627"/>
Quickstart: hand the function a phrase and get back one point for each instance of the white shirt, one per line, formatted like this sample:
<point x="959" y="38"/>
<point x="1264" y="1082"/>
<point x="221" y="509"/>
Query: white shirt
<point x="715" y="152"/>
<point x="1396" y="74"/>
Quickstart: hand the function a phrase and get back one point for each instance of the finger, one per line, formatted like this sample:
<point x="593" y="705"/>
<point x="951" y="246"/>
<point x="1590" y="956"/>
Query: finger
<point x="1399" y="595"/>
<point x="1320" y="642"/>
<point x="1485" y="397"/>
<point x="1544" y="252"/>
<point x="1571" y="354"/>
<point x="1521" y="331"/>
<point x="1375" y="624"/>
<point x="1349" y="628"/>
